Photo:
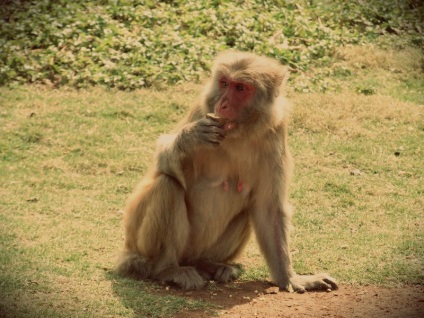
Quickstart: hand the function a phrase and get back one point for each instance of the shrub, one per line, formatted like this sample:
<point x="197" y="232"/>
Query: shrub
<point x="130" y="44"/>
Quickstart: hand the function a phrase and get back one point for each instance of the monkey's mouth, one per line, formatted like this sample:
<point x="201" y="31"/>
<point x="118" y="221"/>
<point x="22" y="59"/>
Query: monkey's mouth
<point x="230" y="125"/>
<point x="227" y="123"/>
<point x="226" y="113"/>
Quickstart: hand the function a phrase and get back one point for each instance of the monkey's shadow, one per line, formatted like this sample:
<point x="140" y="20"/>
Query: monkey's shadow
<point x="146" y="298"/>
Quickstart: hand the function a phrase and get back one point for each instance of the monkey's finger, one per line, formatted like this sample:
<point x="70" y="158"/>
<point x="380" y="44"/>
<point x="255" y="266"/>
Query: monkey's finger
<point x="215" y="123"/>
<point x="216" y="137"/>
<point x="219" y="131"/>
<point x="298" y="289"/>
<point x="219" y="273"/>
<point x="214" y="132"/>
<point x="210" y="123"/>
<point x="318" y="284"/>
<point x="332" y="283"/>
<point x="322" y="285"/>
<point x="213" y="128"/>
<point x="220" y="134"/>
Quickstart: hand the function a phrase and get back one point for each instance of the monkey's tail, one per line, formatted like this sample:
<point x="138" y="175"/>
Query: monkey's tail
<point x="134" y="265"/>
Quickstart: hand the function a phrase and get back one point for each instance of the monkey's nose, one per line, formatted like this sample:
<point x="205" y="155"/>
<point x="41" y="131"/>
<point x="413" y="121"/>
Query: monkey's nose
<point x="224" y="104"/>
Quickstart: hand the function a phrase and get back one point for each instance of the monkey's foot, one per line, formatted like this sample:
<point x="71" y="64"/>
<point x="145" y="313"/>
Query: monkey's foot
<point x="226" y="273"/>
<point x="219" y="272"/>
<point x="302" y="283"/>
<point x="185" y="277"/>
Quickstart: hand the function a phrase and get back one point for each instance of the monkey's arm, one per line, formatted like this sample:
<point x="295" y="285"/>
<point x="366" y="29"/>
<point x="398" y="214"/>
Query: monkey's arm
<point x="272" y="222"/>
<point x="272" y="219"/>
<point x="174" y="152"/>
<point x="271" y="212"/>
<point x="271" y="216"/>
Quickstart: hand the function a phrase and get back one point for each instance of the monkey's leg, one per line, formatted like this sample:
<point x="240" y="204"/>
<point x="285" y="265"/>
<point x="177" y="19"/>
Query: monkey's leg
<point x="213" y="264"/>
<point x="164" y="232"/>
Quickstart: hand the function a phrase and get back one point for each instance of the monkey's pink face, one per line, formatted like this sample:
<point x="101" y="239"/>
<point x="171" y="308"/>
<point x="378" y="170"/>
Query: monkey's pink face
<point x="235" y="96"/>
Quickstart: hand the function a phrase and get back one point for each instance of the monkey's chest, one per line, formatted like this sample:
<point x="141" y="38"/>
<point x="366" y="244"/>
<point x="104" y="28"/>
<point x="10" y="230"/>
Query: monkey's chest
<point x="228" y="194"/>
<point x="212" y="204"/>
<point x="228" y="187"/>
<point x="221" y="189"/>
<point x="224" y="176"/>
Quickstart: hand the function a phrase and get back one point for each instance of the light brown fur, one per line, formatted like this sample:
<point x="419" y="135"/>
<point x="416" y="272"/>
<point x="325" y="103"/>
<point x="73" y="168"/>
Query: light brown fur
<point x="193" y="212"/>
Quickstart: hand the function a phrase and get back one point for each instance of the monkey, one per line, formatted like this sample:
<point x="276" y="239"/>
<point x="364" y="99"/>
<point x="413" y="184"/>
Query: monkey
<point x="222" y="174"/>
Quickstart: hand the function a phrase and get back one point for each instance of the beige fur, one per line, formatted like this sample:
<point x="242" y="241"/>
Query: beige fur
<point x="193" y="212"/>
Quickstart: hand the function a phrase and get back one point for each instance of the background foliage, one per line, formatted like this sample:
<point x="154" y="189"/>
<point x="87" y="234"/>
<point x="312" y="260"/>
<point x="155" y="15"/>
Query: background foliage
<point x="131" y="44"/>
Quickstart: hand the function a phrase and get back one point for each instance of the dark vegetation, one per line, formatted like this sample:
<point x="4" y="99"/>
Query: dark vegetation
<point x="131" y="44"/>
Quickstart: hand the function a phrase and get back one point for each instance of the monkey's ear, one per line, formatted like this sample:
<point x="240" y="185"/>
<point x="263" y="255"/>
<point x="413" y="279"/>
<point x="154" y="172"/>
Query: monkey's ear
<point x="281" y="80"/>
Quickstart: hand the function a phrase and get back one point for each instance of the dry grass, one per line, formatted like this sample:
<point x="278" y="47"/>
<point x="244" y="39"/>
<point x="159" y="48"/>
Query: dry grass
<point x="69" y="160"/>
<point x="383" y="71"/>
<point x="347" y="115"/>
<point x="373" y="218"/>
<point x="370" y="56"/>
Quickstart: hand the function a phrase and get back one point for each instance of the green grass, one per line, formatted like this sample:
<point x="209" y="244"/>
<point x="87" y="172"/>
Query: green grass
<point x="65" y="173"/>
<point x="370" y="224"/>
<point x="129" y="44"/>
<point x="68" y="160"/>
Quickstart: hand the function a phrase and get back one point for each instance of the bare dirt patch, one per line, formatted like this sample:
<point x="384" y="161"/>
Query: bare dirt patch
<point x="250" y="299"/>
<point x="253" y="299"/>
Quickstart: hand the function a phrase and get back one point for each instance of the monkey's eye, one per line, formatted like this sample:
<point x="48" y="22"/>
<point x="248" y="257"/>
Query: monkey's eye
<point x="224" y="83"/>
<point x="240" y="87"/>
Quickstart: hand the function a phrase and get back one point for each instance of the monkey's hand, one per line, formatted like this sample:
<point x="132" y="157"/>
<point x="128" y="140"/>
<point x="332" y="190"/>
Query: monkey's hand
<point x="302" y="283"/>
<point x="205" y="130"/>
<point x="227" y="124"/>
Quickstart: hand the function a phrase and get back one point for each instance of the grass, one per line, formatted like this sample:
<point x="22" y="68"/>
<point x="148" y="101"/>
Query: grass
<point x="365" y="218"/>
<point x="70" y="158"/>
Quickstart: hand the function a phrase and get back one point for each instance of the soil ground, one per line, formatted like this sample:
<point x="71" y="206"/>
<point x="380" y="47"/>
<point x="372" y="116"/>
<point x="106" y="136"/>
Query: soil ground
<point x="253" y="299"/>
<point x="245" y="299"/>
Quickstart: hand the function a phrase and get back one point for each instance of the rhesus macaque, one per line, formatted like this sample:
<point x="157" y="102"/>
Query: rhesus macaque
<point x="224" y="171"/>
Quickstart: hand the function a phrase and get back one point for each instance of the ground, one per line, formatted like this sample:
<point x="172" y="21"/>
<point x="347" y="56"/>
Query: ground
<point x="251" y="299"/>
<point x="255" y="298"/>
